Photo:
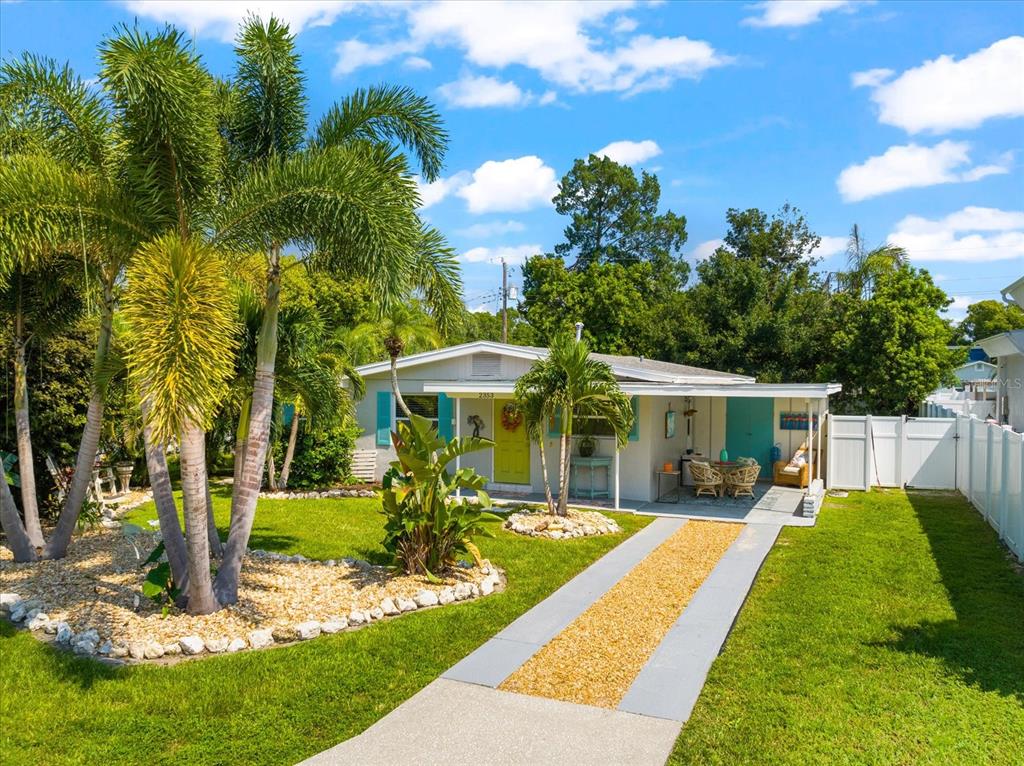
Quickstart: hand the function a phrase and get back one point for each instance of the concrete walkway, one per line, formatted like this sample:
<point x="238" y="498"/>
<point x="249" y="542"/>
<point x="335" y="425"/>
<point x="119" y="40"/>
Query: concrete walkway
<point x="461" y="718"/>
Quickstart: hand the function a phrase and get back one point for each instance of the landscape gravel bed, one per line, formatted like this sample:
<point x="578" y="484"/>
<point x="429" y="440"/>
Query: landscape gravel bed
<point x="92" y="603"/>
<point x="539" y="523"/>
<point x="596" y="658"/>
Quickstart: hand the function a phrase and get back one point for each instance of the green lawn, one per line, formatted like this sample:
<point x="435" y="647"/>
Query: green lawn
<point x="275" y="706"/>
<point x="891" y="633"/>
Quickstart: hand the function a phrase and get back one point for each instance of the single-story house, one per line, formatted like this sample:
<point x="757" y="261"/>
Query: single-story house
<point x="681" y="412"/>
<point x="1007" y="348"/>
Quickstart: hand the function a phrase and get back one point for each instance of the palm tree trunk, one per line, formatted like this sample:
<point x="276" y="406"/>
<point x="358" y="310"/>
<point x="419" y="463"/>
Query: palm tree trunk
<point x="26" y="466"/>
<point x="544" y="473"/>
<point x="394" y="385"/>
<point x="17" y="539"/>
<point x="289" y="454"/>
<point x="566" y="454"/>
<point x="247" y="489"/>
<point x="166" y="508"/>
<point x="240" y="434"/>
<point x="193" y="489"/>
<point x="216" y="548"/>
<point x="58" y="546"/>
<point x="271" y="470"/>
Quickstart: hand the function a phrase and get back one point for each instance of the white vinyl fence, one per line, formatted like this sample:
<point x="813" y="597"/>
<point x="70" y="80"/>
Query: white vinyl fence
<point x="983" y="461"/>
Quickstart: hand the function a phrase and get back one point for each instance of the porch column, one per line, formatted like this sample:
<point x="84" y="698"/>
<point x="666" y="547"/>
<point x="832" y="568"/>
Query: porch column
<point x="616" y="478"/>
<point x="458" y="435"/>
<point x="810" y="439"/>
<point x="821" y="421"/>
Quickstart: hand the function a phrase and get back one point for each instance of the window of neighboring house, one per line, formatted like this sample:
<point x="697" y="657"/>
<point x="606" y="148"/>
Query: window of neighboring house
<point x="424" y="405"/>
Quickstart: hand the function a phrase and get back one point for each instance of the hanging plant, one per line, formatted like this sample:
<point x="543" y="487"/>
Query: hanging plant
<point x="511" y="417"/>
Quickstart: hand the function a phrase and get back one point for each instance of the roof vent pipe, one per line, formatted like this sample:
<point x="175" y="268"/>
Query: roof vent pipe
<point x="579" y="331"/>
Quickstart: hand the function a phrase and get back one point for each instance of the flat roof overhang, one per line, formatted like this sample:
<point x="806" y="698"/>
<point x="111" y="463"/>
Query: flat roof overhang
<point x="474" y="389"/>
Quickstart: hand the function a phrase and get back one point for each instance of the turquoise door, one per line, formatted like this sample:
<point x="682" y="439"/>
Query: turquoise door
<point x="749" y="429"/>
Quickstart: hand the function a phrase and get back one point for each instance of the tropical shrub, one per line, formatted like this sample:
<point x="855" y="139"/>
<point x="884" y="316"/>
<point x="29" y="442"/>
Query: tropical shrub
<point x="427" y="529"/>
<point x="323" y="458"/>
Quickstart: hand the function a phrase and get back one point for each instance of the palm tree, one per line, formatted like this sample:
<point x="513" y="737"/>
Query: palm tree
<point x="40" y="304"/>
<point x="181" y="319"/>
<point x="865" y="266"/>
<point x="404" y="328"/>
<point x="575" y="385"/>
<point x="534" y="405"/>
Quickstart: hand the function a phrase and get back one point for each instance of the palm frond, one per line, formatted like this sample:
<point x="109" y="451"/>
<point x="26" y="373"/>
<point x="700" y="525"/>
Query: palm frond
<point x="181" y="341"/>
<point x="269" y="107"/>
<point x="72" y="118"/>
<point x="439" y="277"/>
<point x="387" y="113"/>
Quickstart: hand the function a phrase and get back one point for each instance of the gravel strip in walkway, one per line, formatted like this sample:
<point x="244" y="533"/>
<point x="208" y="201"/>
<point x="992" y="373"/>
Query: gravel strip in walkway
<point x="595" y="659"/>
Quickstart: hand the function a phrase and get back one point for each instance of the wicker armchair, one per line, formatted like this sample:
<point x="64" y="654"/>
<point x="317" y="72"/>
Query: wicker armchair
<point x="740" y="481"/>
<point x="706" y="480"/>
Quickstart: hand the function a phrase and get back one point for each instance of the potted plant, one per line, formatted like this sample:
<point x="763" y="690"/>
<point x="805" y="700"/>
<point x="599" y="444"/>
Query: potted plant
<point x="587" y="446"/>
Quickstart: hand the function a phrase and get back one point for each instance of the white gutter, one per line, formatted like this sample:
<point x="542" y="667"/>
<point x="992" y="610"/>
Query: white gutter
<point x="1015" y="293"/>
<point x="489" y="389"/>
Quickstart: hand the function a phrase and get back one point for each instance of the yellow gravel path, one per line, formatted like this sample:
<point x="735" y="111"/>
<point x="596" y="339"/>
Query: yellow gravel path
<point x="595" y="659"/>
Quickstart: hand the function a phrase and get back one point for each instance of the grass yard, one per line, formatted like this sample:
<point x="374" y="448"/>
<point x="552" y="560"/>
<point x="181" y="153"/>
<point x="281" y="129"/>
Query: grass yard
<point x="276" y="706"/>
<point x="891" y="633"/>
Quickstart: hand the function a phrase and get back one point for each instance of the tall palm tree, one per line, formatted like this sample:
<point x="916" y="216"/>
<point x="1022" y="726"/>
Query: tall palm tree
<point x="864" y="266"/>
<point x="575" y="385"/>
<point x="531" y="400"/>
<point x="266" y="132"/>
<point x="404" y="328"/>
<point x="39" y="303"/>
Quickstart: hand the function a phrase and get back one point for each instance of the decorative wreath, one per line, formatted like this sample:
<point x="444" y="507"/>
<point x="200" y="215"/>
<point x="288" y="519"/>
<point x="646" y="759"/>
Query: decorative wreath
<point x="511" y="417"/>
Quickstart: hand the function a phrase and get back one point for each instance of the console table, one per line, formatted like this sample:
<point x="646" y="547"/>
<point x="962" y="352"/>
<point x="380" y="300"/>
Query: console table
<point x="593" y="464"/>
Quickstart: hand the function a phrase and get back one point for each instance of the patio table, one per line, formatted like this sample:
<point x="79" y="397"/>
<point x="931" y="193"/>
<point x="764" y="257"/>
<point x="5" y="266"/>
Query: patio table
<point x="593" y="464"/>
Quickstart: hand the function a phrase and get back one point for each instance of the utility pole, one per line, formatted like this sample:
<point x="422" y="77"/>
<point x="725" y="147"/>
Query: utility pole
<point x="504" y="301"/>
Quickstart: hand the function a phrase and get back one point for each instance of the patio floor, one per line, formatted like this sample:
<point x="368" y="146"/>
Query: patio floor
<point x="771" y="504"/>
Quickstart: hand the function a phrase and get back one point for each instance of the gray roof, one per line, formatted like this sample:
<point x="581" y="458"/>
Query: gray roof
<point x="663" y="368"/>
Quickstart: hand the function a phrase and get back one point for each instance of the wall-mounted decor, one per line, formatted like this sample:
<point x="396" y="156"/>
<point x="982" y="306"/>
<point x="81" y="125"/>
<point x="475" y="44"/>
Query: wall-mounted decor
<point x="795" y="421"/>
<point x="670" y="424"/>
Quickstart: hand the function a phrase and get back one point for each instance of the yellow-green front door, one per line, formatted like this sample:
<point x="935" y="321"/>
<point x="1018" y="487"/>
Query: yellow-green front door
<point x="511" y="450"/>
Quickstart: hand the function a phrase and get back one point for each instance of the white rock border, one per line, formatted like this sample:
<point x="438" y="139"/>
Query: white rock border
<point x="29" y="612"/>
<point x="586" y="524"/>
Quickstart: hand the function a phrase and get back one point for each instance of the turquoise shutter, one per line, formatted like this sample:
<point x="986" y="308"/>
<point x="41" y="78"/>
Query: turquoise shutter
<point x="383" y="418"/>
<point x="555" y="424"/>
<point x="444" y="417"/>
<point x="634" y="432"/>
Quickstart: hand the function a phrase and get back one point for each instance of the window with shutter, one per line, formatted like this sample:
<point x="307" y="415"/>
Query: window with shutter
<point x="486" y="366"/>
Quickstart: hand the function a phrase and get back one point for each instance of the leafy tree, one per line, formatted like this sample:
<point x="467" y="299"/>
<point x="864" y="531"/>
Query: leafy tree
<point x="575" y="385"/>
<point x="890" y="351"/>
<point x="482" y="325"/>
<point x="758" y="305"/>
<point x="987" y="318"/>
<point x="615" y="219"/>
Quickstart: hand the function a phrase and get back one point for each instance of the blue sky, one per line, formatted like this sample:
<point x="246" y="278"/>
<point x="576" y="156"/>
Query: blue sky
<point x="905" y="118"/>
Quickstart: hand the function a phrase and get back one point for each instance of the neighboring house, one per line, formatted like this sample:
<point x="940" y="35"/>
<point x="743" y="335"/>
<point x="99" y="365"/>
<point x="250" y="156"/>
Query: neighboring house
<point x="975" y="392"/>
<point x="467" y="386"/>
<point x="1008" y="350"/>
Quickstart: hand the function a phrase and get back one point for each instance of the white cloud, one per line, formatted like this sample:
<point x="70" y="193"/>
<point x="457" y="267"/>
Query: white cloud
<point x="566" y="43"/>
<point x="547" y="97"/>
<point x="513" y="254"/>
<point x="510" y="185"/>
<point x="793" y="13"/>
<point x="221" y="19"/>
<point x="872" y="78"/>
<point x="630" y="152"/>
<point x="492" y="229"/>
<point x="829" y="246"/>
<point x="470" y="91"/>
<point x="913" y="166"/>
<point x="972" y="235"/>
<point x="417" y="62"/>
<point x="945" y="94"/>
<point x="625" y="24"/>
<point x="434" y="192"/>
<point x="706" y="249"/>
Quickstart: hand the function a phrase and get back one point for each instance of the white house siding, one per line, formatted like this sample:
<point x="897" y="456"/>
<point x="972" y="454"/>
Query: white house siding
<point x="1011" y="379"/>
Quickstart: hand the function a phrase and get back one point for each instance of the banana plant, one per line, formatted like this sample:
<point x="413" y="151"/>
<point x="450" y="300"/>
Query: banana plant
<point x="427" y="527"/>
